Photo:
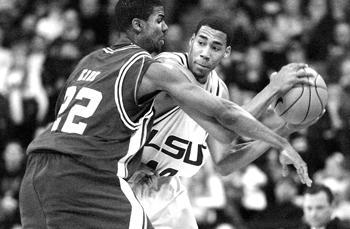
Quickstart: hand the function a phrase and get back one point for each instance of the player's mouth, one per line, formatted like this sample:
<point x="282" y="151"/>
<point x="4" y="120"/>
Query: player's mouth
<point x="202" y="66"/>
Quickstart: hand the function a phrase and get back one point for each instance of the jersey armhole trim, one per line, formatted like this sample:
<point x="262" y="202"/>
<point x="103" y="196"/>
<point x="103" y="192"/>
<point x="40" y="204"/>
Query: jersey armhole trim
<point x="119" y="86"/>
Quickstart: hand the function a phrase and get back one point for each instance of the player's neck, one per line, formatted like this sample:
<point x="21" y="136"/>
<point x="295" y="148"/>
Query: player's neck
<point x="125" y="38"/>
<point x="202" y="79"/>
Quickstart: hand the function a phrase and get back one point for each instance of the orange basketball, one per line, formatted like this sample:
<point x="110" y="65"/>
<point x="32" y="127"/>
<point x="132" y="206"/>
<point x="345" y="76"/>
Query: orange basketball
<point x="303" y="103"/>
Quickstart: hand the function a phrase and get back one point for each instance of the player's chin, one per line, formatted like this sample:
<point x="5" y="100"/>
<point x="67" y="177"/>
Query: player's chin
<point x="159" y="45"/>
<point x="201" y="71"/>
<point x="158" y="48"/>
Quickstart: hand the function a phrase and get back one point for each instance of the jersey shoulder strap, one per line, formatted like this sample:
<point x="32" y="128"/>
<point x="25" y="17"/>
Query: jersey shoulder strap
<point x="180" y="58"/>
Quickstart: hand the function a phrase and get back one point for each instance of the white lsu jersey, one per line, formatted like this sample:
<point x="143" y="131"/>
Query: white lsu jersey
<point x="177" y="144"/>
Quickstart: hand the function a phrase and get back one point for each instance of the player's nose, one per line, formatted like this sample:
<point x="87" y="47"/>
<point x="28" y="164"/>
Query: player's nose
<point x="164" y="27"/>
<point x="205" y="52"/>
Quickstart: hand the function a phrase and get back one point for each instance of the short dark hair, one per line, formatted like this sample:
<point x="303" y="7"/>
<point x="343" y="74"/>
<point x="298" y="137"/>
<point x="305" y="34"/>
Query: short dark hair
<point x="126" y="10"/>
<point x="317" y="188"/>
<point x="217" y="23"/>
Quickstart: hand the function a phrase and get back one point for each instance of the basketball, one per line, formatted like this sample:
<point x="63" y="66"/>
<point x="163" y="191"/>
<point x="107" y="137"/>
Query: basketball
<point x="303" y="103"/>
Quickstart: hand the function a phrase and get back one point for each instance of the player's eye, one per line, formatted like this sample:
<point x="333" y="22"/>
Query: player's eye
<point x="160" y="19"/>
<point x="216" y="48"/>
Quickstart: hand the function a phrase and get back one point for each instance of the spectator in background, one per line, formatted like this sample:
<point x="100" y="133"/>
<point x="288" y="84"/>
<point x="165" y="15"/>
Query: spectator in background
<point x="335" y="175"/>
<point x="344" y="107"/>
<point x="95" y="20"/>
<point x="247" y="76"/>
<point x="254" y="200"/>
<point x="26" y="96"/>
<point x="190" y="16"/>
<point x="318" y="30"/>
<point x="11" y="170"/>
<point x="318" y="209"/>
<point x="341" y="43"/>
<point x="339" y="50"/>
<point x="207" y="196"/>
<point x="5" y="64"/>
<point x="342" y="210"/>
<point x="51" y="26"/>
<point x="62" y="55"/>
<point x="275" y="38"/>
<point x="4" y="121"/>
<point x="284" y="211"/>
<point x="341" y="10"/>
<point x="339" y="106"/>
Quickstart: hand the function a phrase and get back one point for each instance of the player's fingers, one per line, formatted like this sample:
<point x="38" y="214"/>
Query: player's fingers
<point x="285" y="170"/>
<point x="273" y="75"/>
<point x="304" y="80"/>
<point x="301" y="66"/>
<point x="307" y="179"/>
<point x="303" y="73"/>
<point x="297" y="66"/>
<point x="301" y="175"/>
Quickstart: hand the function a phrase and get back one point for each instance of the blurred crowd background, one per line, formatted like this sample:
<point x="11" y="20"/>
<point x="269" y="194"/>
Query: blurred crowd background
<point x="42" y="40"/>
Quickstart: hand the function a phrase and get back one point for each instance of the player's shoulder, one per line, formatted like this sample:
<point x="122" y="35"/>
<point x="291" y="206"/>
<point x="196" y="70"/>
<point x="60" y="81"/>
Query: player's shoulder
<point x="113" y="54"/>
<point x="122" y="49"/>
<point x="178" y="57"/>
<point x="219" y="84"/>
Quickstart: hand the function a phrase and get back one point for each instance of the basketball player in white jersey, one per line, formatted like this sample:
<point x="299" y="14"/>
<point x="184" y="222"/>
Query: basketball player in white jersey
<point x="178" y="145"/>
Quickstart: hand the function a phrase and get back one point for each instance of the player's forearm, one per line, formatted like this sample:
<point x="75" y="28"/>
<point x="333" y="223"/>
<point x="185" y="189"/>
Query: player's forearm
<point x="242" y="155"/>
<point x="243" y="123"/>
<point x="212" y="126"/>
<point x="258" y="105"/>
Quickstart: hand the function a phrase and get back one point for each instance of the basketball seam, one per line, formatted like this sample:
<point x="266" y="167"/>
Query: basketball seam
<point x="288" y="108"/>
<point x="308" y="106"/>
<point x="318" y="95"/>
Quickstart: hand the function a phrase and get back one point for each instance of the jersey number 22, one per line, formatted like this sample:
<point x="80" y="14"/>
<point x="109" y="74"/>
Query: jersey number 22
<point x="76" y="110"/>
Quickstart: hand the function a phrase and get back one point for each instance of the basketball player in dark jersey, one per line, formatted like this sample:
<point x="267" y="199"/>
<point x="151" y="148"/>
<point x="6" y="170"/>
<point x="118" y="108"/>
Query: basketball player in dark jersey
<point x="76" y="168"/>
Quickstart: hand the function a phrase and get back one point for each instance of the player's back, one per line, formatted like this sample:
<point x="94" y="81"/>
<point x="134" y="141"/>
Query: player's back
<point x="98" y="115"/>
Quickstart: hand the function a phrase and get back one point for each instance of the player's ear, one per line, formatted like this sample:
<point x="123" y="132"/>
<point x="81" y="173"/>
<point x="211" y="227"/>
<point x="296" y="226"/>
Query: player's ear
<point x="227" y="51"/>
<point x="137" y="24"/>
<point x="190" y="42"/>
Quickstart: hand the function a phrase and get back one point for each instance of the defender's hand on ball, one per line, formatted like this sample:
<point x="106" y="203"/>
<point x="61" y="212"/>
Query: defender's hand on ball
<point x="289" y="76"/>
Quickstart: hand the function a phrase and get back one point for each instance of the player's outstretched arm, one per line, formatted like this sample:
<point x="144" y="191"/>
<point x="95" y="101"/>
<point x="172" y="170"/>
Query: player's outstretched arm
<point x="173" y="80"/>
<point x="230" y="158"/>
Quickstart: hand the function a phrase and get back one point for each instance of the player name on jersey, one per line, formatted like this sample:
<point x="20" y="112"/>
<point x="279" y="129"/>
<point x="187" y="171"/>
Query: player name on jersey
<point x="88" y="75"/>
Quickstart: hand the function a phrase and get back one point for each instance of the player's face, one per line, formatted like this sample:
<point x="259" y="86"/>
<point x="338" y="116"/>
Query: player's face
<point x="155" y="30"/>
<point x="207" y="48"/>
<point x="317" y="209"/>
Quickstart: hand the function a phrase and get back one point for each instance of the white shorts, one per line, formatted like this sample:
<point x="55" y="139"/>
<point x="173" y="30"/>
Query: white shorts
<point x="168" y="205"/>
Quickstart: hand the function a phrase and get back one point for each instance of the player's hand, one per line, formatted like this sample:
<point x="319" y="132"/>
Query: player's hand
<point x="290" y="157"/>
<point x="289" y="76"/>
<point x="143" y="180"/>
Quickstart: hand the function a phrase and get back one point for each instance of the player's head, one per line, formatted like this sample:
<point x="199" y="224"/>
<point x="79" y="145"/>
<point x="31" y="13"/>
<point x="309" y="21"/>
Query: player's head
<point x="143" y="21"/>
<point x="210" y="42"/>
<point x="317" y="205"/>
